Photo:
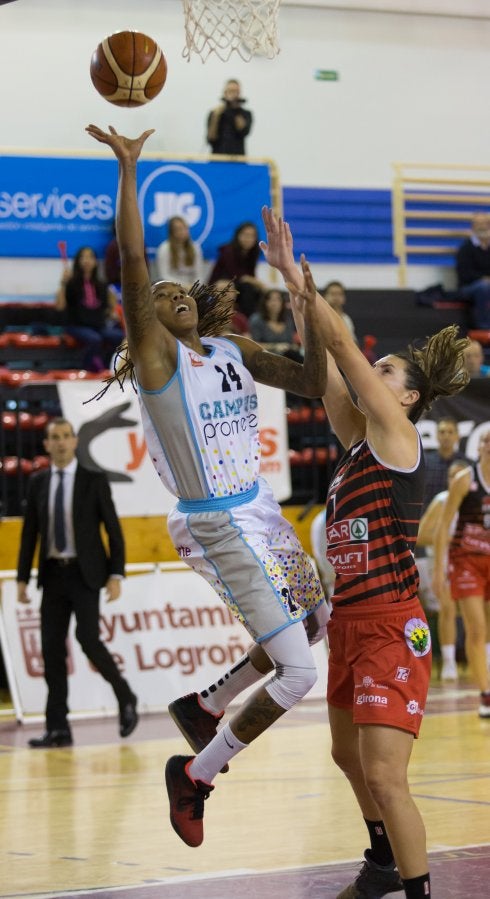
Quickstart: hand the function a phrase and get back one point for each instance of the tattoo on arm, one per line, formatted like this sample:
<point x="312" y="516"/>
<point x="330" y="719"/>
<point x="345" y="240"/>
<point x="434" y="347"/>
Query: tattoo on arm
<point x="139" y="310"/>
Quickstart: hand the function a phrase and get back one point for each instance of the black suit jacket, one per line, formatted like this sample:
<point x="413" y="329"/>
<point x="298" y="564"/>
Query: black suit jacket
<point x="92" y="506"/>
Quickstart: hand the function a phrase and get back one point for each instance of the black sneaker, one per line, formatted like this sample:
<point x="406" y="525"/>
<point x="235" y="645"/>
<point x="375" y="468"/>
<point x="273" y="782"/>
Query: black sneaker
<point x="186" y="798"/>
<point x="373" y="881"/>
<point x="197" y="725"/>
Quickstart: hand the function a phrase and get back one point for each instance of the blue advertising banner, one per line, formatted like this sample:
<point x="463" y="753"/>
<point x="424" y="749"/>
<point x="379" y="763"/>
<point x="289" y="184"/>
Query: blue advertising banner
<point x="46" y="199"/>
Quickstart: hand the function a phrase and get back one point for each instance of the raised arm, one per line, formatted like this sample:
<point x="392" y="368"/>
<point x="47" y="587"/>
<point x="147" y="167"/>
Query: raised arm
<point x="305" y="379"/>
<point x="388" y="429"/>
<point x="151" y="346"/>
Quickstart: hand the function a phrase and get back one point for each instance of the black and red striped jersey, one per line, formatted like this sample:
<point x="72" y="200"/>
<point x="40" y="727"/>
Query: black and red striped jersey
<point x="373" y="515"/>
<point x="472" y="532"/>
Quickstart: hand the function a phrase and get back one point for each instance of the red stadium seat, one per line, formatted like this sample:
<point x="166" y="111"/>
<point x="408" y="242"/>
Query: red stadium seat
<point x="481" y="336"/>
<point x="13" y="465"/>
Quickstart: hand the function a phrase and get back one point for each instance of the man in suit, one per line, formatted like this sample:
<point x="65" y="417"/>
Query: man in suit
<point x="66" y="504"/>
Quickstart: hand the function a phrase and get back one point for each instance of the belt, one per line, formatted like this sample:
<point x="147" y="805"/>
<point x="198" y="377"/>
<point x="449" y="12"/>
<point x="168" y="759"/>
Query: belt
<point x="62" y="561"/>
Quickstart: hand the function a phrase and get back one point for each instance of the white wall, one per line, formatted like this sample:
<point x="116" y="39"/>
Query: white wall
<point x="411" y="88"/>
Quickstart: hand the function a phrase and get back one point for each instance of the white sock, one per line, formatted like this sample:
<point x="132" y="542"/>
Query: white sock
<point x="448" y="652"/>
<point x="215" y="755"/>
<point x="219" y="695"/>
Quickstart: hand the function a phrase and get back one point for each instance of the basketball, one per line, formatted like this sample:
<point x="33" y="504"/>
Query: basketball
<point x="128" y="68"/>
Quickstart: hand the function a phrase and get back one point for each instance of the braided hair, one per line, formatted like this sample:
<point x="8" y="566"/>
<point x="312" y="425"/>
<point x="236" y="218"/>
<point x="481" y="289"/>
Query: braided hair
<point x="215" y="309"/>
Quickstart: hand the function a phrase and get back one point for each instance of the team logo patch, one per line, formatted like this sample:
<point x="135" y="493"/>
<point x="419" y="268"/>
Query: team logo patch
<point x="402" y="674"/>
<point x="417" y="636"/>
<point x="413" y="708"/>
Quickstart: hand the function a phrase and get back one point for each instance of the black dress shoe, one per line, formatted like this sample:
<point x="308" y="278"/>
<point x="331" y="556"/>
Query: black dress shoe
<point x="128" y="718"/>
<point x="51" y="739"/>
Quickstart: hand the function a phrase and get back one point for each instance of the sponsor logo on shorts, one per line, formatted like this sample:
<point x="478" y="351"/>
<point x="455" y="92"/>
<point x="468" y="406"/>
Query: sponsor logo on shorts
<point x="402" y="674"/>
<point x="413" y="708"/>
<point x="184" y="551"/>
<point x="368" y="681"/>
<point x="417" y="636"/>
<point x="371" y="699"/>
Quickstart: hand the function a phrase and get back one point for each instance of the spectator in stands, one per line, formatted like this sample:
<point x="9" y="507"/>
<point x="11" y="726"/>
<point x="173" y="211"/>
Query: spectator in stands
<point x="272" y="325"/>
<point x="229" y="123"/>
<point x="475" y="360"/>
<point x="238" y="260"/>
<point x="473" y="270"/>
<point x="91" y="310"/>
<point x="66" y="507"/>
<point x="334" y="293"/>
<point x="438" y="460"/>
<point x="178" y="258"/>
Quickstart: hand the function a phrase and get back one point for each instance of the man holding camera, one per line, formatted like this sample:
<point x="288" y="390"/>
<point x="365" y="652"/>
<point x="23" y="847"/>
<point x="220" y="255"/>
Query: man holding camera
<point x="229" y="123"/>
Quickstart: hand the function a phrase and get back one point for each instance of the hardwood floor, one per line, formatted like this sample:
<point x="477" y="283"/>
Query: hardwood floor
<point x="93" y="819"/>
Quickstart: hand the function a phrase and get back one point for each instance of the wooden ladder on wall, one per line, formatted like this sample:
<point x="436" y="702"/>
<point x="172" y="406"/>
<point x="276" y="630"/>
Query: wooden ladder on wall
<point x="433" y="205"/>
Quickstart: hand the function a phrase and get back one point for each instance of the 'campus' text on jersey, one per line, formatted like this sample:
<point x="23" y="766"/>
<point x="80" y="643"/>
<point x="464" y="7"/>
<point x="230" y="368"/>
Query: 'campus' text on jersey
<point x="201" y="428"/>
<point x="373" y="515"/>
<point x="472" y="532"/>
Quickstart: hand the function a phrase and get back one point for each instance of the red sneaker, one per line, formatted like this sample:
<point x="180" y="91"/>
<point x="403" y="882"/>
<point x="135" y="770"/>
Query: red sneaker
<point x="186" y="798"/>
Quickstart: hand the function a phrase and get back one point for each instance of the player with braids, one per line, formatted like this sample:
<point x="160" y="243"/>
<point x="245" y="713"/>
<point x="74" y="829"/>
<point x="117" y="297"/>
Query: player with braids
<point x="380" y="650"/>
<point x="199" y="410"/>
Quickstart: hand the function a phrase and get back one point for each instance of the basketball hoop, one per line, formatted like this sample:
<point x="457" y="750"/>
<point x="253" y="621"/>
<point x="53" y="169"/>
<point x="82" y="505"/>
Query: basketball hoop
<point x="248" y="27"/>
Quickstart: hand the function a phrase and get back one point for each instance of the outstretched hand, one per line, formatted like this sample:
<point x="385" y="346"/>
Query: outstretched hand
<point x="278" y="250"/>
<point x="124" y="148"/>
<point x="305" y="296"/>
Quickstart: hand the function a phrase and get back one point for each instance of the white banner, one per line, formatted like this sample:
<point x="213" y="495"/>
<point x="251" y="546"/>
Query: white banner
<point x="111" y="437"/>
<point x="169" y="634"/>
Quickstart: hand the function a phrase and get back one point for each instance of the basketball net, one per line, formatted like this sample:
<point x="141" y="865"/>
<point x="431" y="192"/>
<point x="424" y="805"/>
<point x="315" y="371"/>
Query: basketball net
<point x="248" y="27"/>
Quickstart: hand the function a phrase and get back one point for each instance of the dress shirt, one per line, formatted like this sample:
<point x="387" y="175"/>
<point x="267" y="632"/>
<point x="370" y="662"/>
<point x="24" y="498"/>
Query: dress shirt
<point x="69" y="551"/>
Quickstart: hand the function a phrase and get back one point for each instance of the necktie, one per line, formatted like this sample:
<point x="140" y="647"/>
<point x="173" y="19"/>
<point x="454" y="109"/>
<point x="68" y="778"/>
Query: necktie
<point x="59" y="515"/>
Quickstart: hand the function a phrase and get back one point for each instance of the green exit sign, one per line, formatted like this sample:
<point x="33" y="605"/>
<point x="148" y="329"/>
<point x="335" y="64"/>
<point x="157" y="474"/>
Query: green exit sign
<point x="326" y="75"/>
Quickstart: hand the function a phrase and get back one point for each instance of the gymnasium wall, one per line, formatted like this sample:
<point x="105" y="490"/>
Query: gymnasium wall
<point x="409" y="88"/>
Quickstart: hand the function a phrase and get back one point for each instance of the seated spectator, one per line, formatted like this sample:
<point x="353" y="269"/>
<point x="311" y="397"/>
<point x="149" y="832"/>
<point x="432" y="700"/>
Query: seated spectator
<point x="90" y="308"/>
<point x="178" y="258"/>
<point x="334" y="294"/>
<point x="272" y="325"/>
<point x="237" y="260"/>
<point x="475" y="360"/>
<point x="473" y="271"/>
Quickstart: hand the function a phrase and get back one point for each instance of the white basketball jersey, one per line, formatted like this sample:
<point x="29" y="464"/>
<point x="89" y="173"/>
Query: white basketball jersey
<point x="201" y="428"/>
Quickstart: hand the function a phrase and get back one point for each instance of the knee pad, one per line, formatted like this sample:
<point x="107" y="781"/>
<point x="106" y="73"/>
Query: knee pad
<point x="290" y="683"/>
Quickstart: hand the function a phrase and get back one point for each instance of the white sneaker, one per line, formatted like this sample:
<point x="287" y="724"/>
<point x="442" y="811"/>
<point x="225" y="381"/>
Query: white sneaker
<point x="449" y="671"/>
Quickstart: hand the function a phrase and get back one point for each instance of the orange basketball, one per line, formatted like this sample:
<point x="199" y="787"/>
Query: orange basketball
<point x="128" y="68"/>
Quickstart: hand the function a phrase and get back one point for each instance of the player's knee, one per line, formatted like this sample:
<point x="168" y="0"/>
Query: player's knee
<point x="290" y="684"/>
